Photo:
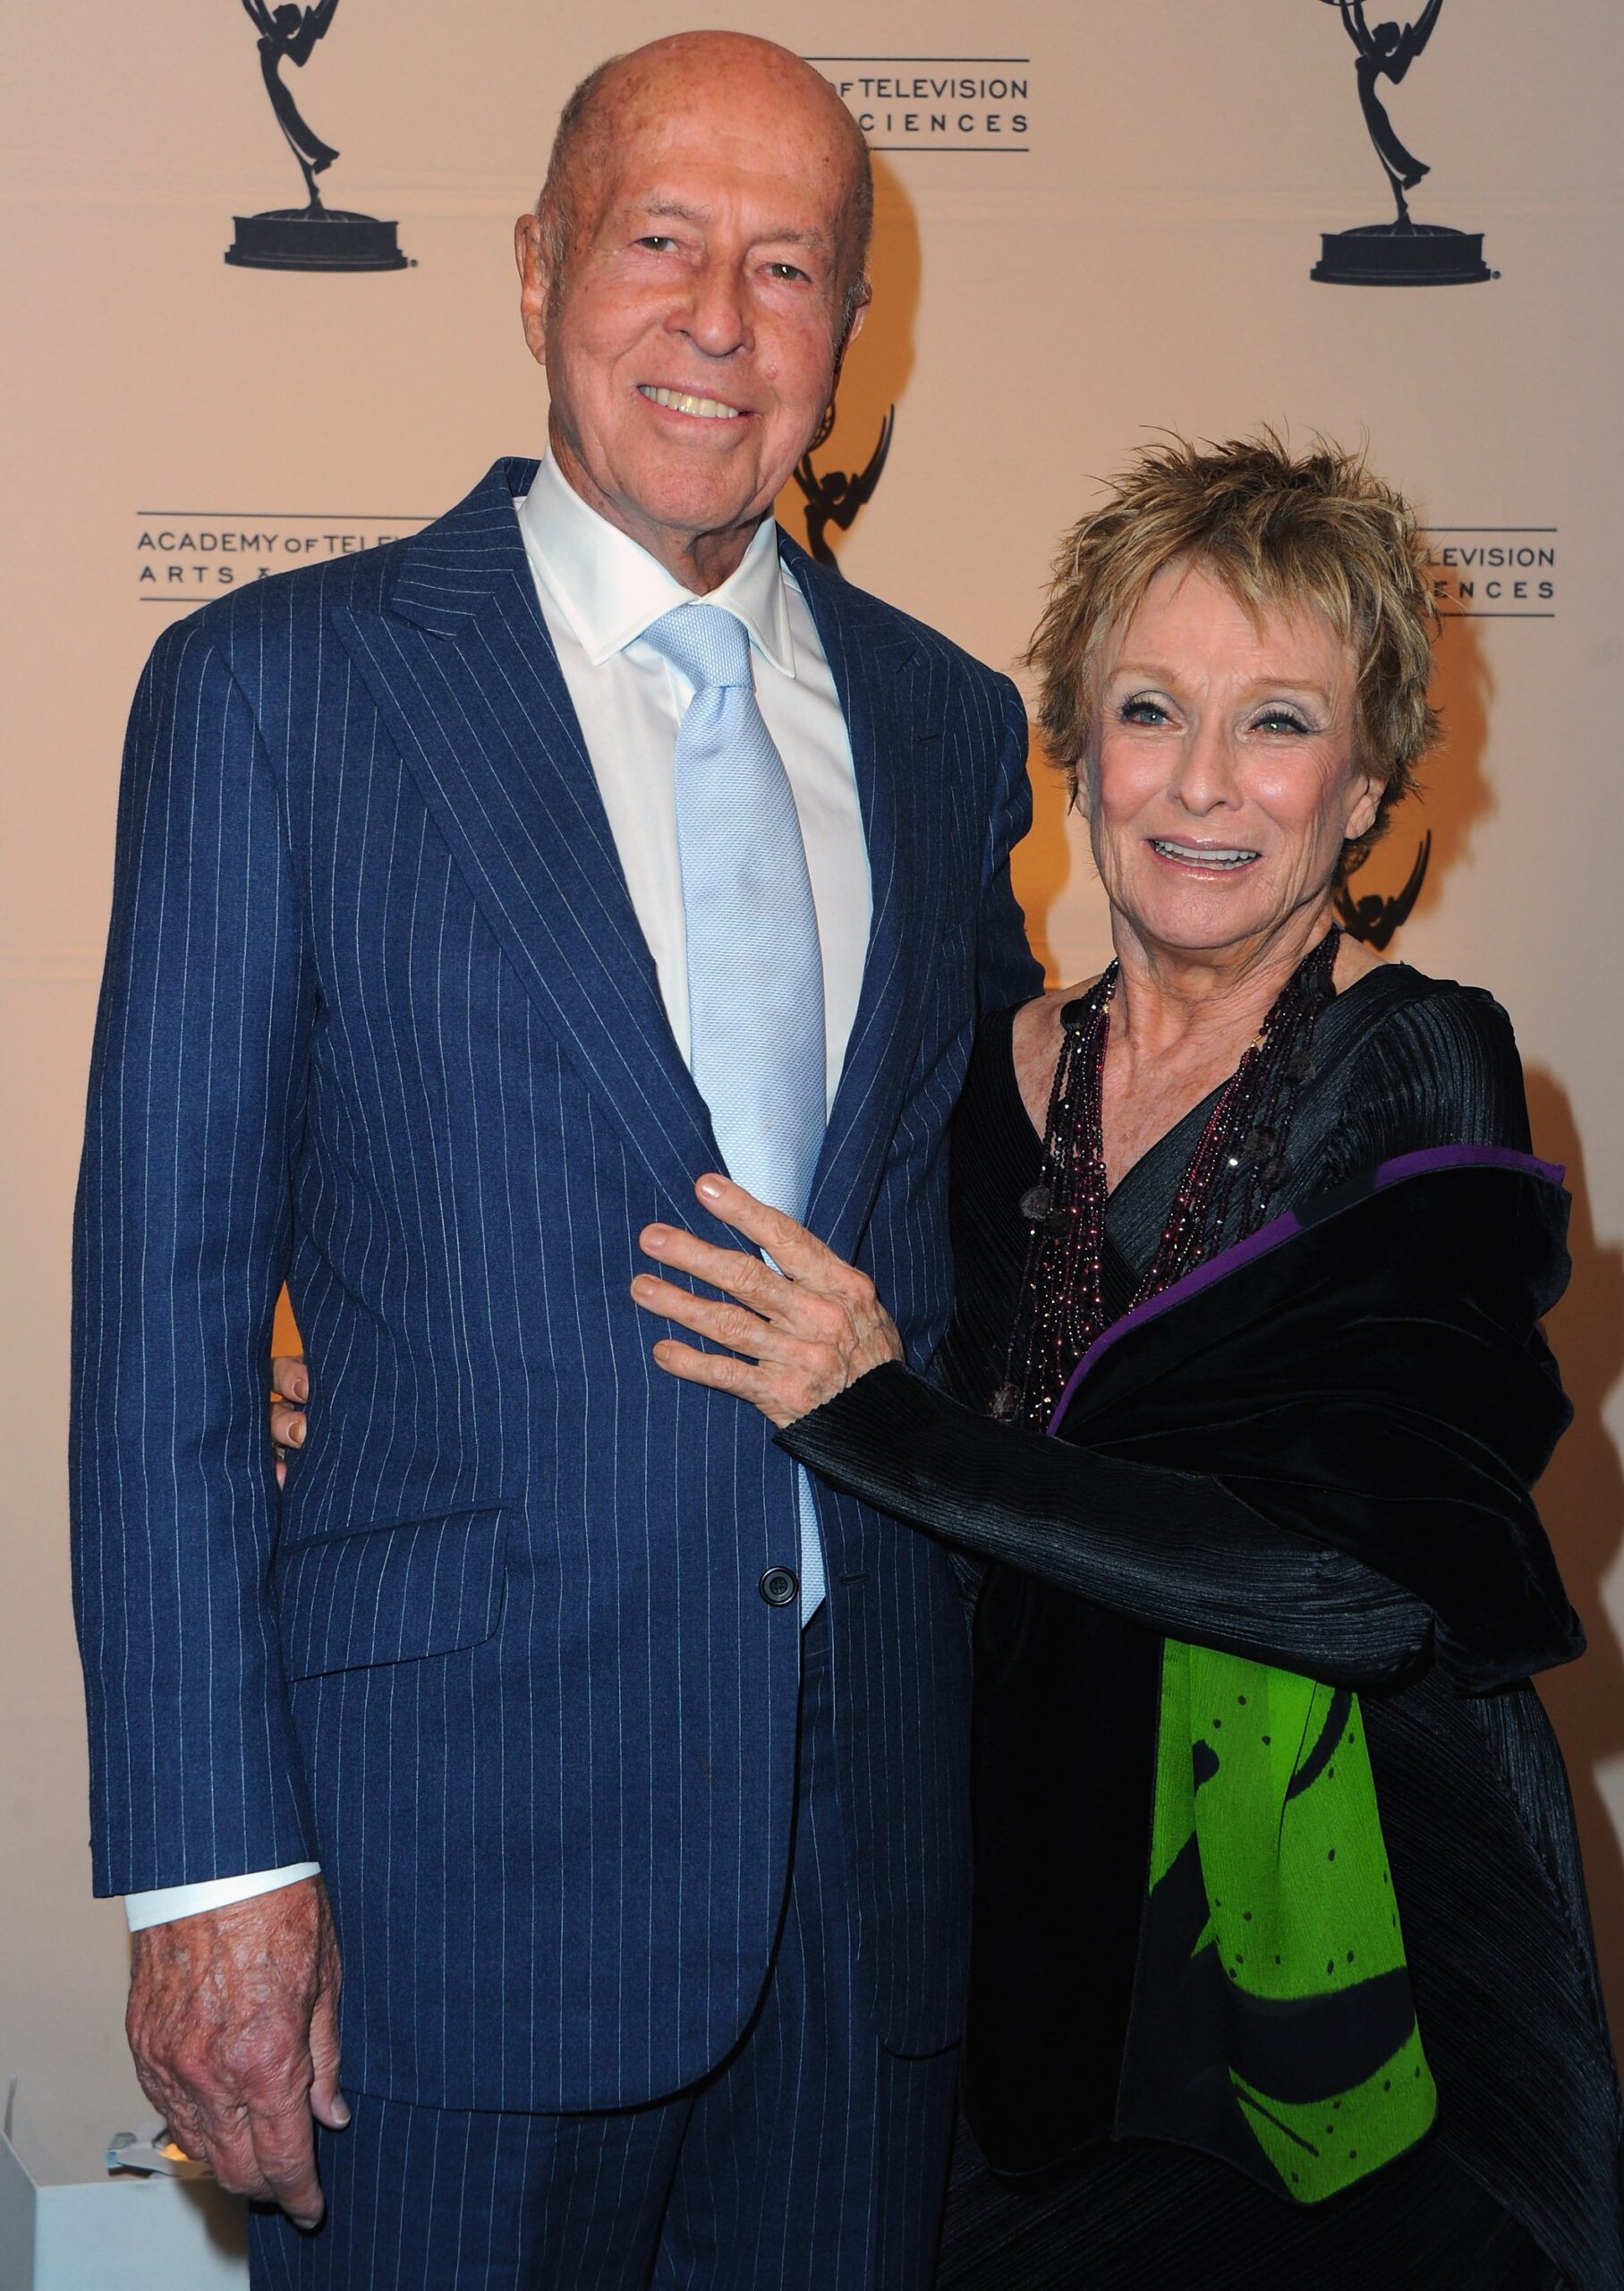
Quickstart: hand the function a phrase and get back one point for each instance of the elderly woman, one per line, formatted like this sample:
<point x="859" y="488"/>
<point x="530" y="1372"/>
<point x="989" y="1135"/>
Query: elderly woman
<point x="1283" y="1970"/>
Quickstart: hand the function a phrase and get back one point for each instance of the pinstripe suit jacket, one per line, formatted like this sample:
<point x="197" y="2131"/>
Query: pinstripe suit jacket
<point x="378" y="1020"/>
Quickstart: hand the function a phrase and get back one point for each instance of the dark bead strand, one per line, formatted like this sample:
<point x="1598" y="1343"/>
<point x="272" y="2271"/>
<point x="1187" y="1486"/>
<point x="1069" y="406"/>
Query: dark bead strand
<point x="1243" y="1143"/>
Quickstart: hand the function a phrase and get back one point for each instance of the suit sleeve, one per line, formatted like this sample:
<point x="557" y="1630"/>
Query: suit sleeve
<point x="1175" y="1551"/>
<point x="182" y="1238"/>
<point x="1007" y="971"/>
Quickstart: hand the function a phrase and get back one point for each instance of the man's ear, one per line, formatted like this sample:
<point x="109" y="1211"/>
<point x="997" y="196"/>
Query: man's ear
<point x="530" y="253"/>
<point x="853" y="327"/>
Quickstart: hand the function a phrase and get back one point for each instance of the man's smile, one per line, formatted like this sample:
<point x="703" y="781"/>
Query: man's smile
<point x="707" y="409"/>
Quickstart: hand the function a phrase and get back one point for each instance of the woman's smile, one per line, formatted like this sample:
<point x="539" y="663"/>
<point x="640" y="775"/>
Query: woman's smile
<point x="1206" y="858"/>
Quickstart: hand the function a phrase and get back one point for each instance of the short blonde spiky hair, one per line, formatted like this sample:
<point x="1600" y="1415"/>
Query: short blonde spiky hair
<point x="1280" y="532"/>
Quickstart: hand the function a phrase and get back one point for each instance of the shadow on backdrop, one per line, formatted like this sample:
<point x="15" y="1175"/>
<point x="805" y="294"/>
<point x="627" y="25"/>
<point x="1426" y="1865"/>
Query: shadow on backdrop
<point x="1405" y="874"/>
<point x="1043" y="865"/>
<point x="1581" y="1500"/>
<point x="1455" y="794"/>
<point x="840" y="474"/>
<point x="224" y="2217"/>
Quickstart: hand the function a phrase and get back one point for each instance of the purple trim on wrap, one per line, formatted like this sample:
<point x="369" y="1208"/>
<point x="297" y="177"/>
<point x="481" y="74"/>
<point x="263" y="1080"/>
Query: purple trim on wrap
<point x="1424" y="1162"/>
<point x="1427" y="1158"/>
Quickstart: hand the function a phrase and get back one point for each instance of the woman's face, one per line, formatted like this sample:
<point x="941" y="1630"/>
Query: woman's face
<point x="1222" y="781"/>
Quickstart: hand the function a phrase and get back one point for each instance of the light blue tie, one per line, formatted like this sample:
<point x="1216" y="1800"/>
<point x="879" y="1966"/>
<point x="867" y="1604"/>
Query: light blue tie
<point x="755" y="970"/>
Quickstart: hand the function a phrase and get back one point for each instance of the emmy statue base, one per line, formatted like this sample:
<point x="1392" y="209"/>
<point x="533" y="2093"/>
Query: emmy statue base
<point x="1402" y="254"/>
<point x="314" y="238"/>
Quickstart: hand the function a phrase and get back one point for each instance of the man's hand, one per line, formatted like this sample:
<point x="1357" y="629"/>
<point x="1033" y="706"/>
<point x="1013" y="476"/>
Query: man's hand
<point x="290" y="1390"/>
<point x="234" y="2023"/>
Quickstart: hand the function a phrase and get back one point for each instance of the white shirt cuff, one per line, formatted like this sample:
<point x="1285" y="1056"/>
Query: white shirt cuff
<point x="163" y="1906"/>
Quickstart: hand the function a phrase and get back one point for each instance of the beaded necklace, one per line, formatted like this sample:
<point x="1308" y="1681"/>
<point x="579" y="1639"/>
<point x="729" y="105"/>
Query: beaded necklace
<point x="1241" y="1148"/>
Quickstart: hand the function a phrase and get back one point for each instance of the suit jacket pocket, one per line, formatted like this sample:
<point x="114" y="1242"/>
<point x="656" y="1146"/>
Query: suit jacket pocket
<point x="391" y="1594"/>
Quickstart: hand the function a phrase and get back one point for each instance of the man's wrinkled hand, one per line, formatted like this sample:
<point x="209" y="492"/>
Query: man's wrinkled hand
<point x="290" y="1393"/>
<point x="233" y="2022"/>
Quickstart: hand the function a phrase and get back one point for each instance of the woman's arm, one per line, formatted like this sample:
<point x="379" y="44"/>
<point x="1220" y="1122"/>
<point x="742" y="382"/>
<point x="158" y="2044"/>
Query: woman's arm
<point x="1175" y="1551"/>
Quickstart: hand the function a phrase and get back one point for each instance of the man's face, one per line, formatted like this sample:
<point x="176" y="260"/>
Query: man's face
<point x="692" y="340"/>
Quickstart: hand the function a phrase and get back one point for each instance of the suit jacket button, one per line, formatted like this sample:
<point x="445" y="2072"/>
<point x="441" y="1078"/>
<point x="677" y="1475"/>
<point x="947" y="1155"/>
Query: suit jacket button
<point x="779" y="1588"/>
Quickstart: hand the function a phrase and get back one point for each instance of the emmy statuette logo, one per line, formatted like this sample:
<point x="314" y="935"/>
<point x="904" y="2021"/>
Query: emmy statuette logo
<point x="835" y="496"/>
<point x="1373" y="918"/>
<point x="1402" y="252"/>
<point x="313" y="237"/>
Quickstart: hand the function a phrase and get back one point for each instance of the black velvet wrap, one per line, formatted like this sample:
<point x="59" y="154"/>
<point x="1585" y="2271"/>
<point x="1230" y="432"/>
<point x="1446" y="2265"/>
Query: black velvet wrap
<point x="1317" y="1450"/>
<point x="1368" y="1373"/>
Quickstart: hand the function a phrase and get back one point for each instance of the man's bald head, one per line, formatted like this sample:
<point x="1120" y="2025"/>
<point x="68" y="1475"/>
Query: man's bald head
<point x="755" y="76"/>
<point x="690" y="280"/>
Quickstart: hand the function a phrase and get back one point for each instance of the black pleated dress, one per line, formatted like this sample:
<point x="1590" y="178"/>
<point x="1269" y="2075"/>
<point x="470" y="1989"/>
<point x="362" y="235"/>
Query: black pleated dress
<point x="1524" y="2163"/>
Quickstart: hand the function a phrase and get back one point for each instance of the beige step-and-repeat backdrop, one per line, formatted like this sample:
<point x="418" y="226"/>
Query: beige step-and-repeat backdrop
<point x="1096" y="218"/>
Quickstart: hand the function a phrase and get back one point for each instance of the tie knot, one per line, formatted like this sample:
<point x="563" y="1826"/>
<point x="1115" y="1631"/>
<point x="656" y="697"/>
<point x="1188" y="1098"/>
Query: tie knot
<point x="709" y="645"/>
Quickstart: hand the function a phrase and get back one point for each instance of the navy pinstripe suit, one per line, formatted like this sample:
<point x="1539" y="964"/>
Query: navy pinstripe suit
<point x="378" y="1019"/>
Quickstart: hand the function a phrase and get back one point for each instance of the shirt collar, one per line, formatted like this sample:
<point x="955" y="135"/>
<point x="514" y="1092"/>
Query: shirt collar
<point x="610" y="590"/>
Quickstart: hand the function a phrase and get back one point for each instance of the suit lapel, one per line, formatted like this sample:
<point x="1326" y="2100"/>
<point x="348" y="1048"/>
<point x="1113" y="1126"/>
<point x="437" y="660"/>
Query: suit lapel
<point x="462" y="668"/>
<point x="461" y="665"/>
<point x="877" y="668"/>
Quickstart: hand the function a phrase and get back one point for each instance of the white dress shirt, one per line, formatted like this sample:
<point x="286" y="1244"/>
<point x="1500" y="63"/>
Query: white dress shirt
<point x="599" y="590"/>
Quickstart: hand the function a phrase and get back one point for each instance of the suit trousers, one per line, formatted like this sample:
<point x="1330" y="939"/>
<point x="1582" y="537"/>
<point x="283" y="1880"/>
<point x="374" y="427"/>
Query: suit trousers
<point x="811" y="2160"/>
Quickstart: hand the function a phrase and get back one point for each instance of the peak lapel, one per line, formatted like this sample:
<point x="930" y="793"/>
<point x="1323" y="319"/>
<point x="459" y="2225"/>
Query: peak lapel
<point x="877" y="670"/>
<point x="461" y="665"/>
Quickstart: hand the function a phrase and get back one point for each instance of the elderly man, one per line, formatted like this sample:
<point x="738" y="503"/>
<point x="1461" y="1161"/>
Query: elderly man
<point x="473" y="899"/>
